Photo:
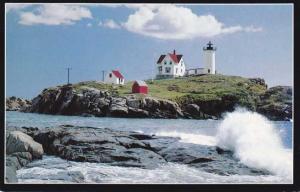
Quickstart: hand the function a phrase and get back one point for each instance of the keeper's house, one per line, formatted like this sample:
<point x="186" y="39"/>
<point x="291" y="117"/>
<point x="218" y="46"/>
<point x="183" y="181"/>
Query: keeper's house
<point x="170" y="65"/>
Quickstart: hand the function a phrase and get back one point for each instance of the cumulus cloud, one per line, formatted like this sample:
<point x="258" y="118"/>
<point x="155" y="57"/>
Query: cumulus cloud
<point x="55" y="14"/>
<point x="110" y="24"/>
<point x="177" y="22"/>
<point x="163" y="21"/>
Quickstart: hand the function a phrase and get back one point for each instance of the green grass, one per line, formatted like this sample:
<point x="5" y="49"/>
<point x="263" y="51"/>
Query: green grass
<point x="198" y="88"/>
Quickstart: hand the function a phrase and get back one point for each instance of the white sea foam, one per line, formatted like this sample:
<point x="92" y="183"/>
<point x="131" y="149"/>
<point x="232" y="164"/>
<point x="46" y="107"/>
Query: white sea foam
<point x="255" y="142"/>
<point x="189" y="137"/>
<point x="55" y="170"/>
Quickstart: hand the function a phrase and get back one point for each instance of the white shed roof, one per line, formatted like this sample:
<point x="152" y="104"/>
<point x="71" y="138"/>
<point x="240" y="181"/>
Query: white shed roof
<point x="141" y="83"/>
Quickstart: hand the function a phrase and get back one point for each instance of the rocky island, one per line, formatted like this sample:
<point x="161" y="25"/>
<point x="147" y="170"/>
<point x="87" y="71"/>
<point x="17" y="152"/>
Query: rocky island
<point x="198" y="97"/>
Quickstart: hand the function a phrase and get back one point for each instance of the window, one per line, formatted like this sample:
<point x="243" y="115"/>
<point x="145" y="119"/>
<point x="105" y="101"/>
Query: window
<point x="208" y="70"/>
<point x="181" y="70"/>
<point x="160" y="68"/>
<point x="170" y="62"/>
<point x="167" y="69"/>
<point x="176" y="70"/>
<point x="181" y="63"/>
<point x="110" y="75"/>
<point x="165" y="62"/>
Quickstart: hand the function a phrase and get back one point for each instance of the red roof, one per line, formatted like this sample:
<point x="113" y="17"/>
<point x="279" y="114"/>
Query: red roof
<point x="118" y="74"/>
<point x="141" y="83"/>
<point x="174" y="57"/>
<point x="161" y="58"/>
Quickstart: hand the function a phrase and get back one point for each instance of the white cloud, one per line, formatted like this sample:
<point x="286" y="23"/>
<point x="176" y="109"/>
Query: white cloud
<point x="89" y="25"/>
<point x="253" y="29"/>
<point x="55" y="14"/>
<point x="177" y="22"/>
<point x="163" y="21"/>
<point x="110" y="24"/>
<point x="15" y="6"/>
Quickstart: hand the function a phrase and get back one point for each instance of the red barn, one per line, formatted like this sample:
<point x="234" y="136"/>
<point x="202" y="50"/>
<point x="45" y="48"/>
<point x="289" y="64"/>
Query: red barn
<point x="140" y="87"/>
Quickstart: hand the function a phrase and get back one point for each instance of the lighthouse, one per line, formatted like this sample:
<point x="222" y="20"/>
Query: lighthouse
<point x="209" y="56"/>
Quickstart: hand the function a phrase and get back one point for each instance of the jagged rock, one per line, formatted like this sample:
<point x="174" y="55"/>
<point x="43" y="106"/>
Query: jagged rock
<point x="193" y="110"/>
<point x="23" y="157"/>
<point x="133" y="102"/>
<point x="137" y="113"/>
<point x="87" y="101"/>
<point x="118" y="107"/>
<point x="258" y="81"/>
<point x="17" y="141"/>
<point x="150" y="104"/>
<point x="10" y="175"/>
<point x="123" y="148"/>
<point x="98" y="145"/>
<point x="276" y="103"/>
<point x="160" y="108"/>
<point x="17" y="104"/>
<point x="14" y="162"/>
<point x="208" y="159"/>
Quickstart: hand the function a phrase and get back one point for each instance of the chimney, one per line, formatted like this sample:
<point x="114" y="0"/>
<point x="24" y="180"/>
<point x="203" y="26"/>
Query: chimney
<point x="174" y="52"/>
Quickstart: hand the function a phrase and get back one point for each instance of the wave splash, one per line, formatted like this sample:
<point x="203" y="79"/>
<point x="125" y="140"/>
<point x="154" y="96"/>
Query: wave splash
<point x="255" y="142"/>
<point x="189" y="137"/>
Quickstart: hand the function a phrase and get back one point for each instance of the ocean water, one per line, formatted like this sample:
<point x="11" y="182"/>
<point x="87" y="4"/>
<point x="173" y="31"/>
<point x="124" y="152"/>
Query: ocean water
<point x="255" y="141"/>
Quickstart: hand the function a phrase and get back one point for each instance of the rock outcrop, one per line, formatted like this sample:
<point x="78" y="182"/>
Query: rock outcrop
<point x="276" y="103"/>
<point x="130" y="149"/>
<point x="17" y="141"/>
<point x="66" y="101"/>
<point x="21" y="149"/>
<point x="17" y="104"/>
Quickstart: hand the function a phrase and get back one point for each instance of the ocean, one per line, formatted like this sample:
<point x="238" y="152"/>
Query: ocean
<point x="255" y="141"/>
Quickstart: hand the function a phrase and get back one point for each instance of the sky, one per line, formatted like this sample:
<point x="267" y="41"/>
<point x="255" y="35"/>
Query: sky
<point x="42" y="40"/>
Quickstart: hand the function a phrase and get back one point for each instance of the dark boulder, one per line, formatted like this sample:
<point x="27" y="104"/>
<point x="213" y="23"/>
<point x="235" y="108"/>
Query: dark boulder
<point x="98" y="145"/>
<point x="276" y="103"/>
<point x="193" y="110"/>
<point x="17" y="141"/>
<point x="118" y="107"/>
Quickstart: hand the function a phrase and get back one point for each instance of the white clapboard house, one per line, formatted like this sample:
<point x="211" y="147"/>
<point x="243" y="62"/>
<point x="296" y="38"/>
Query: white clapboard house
<point x="170" y="65"/>
<point x="114" y="77"/>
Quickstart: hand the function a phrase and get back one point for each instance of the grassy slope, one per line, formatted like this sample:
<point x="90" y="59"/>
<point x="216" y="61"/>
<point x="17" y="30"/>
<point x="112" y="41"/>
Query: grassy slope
<point x="200" y="88"/>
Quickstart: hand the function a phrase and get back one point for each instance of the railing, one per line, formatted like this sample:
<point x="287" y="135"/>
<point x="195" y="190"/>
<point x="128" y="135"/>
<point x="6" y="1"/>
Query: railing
<point x="208" y="48"/>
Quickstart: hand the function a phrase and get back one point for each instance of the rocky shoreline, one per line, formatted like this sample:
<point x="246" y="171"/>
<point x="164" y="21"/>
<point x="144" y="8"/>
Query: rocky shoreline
<point x="275" y="103"/>
<point x="17" y="104"/>
<point x="116" y="148"/>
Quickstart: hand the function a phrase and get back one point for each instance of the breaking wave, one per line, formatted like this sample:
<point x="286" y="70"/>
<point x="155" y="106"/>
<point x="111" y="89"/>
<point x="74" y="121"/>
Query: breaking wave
<point x="255" y="142"/>
<point x="190" y="137"/>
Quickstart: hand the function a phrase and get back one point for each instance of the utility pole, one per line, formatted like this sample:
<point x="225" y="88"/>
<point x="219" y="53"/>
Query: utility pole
<point x="103" y="72"/>
<point x="69" y="68"/>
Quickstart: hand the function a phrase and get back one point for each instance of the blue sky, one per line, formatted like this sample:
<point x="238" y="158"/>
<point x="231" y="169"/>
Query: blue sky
<point x="42" y="40"/>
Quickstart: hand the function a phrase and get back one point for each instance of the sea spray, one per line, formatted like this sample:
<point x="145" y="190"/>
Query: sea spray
<point x="189" y="137"/>
<point x="255" y="142"/>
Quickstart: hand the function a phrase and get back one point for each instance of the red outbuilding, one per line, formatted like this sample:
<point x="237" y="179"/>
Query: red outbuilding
<point x="140" y="87"/>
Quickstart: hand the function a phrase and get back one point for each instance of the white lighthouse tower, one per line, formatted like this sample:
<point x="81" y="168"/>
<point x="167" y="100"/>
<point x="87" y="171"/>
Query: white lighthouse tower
<point x="209" y="58"/>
